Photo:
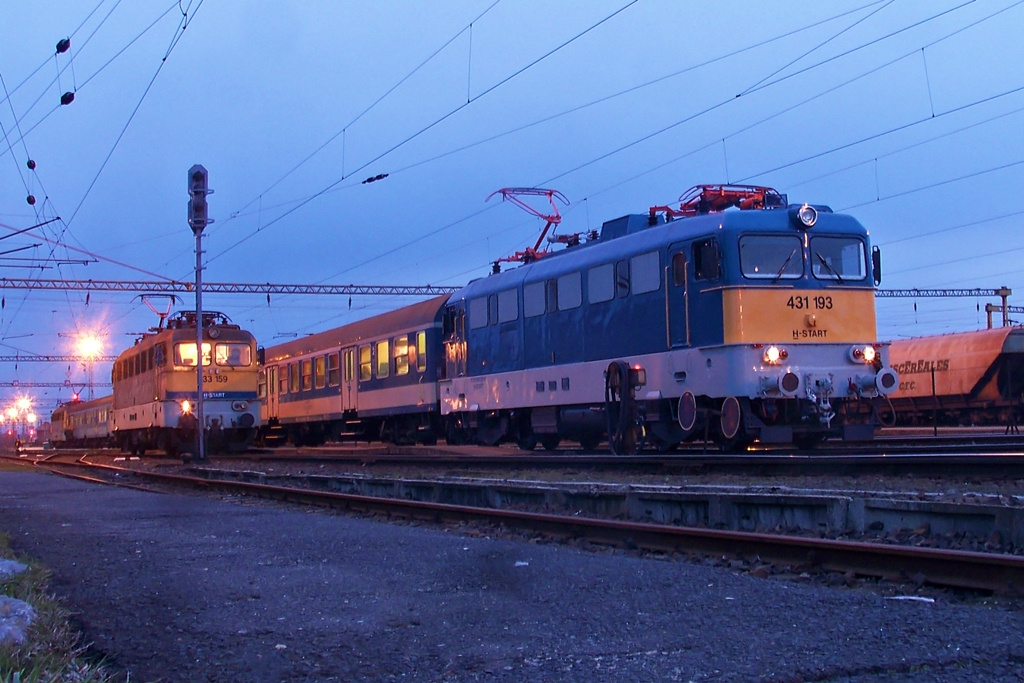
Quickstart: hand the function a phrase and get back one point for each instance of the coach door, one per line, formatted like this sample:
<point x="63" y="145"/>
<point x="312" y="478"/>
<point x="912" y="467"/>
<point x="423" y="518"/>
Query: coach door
<point x="349" y="382"/>
<point x="677" y="296"/>
<point x="272" y="391"/>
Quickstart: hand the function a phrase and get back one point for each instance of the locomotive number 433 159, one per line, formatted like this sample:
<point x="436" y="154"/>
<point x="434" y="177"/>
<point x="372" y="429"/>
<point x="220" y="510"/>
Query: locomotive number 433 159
<point x="818" y="303"/>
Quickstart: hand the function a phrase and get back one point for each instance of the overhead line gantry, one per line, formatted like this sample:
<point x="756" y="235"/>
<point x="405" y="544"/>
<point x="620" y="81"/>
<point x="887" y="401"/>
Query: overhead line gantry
<point x="172" y="287"/>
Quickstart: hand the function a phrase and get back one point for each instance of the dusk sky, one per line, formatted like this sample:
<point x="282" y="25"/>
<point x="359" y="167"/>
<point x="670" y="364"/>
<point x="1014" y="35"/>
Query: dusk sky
<point x="905" y="114"/>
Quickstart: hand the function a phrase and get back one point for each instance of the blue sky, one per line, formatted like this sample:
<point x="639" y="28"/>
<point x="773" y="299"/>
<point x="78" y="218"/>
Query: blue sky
<point x="905" y="114"/>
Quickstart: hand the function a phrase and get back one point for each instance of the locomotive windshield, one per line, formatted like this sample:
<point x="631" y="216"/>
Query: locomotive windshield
<point x="233" y="355"/>
<point x="185" y="354"/>
<point x="773" y="257"/>
<point x="838" y="258"/>
<point x="229" y="354"/>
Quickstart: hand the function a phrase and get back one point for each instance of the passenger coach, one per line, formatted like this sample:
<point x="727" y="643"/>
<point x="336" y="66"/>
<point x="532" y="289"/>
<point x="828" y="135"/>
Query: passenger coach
<point x="375" y="379"/>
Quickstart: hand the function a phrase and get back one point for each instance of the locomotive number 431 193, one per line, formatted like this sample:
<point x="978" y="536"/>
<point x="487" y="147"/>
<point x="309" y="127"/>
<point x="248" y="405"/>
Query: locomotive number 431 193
<point x="818" y="303"/>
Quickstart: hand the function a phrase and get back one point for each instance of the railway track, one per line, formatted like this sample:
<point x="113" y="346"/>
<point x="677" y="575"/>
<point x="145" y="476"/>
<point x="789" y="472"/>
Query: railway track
<point x="982" y="571"/>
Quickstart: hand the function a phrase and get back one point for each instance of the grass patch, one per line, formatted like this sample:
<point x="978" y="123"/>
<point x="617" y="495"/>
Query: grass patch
<point x="53" y="650"/>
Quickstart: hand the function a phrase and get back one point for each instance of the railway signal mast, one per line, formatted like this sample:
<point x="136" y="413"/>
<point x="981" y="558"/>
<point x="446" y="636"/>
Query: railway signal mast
<point x="198" y="219"/>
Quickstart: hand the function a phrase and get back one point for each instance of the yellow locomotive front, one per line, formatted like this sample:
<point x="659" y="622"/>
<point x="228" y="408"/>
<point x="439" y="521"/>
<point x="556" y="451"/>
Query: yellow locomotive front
<point x="156" y="381"/>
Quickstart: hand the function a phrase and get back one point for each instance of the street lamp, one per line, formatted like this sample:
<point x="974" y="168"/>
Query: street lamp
<point x="90" y="347"/>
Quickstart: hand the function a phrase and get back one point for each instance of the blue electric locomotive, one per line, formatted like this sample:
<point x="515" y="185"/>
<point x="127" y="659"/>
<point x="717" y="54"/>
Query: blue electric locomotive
<point x="756" y="322"/>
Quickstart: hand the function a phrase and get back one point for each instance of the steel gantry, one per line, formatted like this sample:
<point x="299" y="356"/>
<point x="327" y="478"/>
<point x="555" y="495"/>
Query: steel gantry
<point x="174" y="287"/>
<point x="1002" y="292"/>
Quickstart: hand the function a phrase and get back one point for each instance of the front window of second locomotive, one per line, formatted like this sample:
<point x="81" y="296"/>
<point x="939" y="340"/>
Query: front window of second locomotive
<point x="771" y="257"/>
<point x="185" y="354"/>
<point x="838" y="258"/>
<point x="235" y="355"/>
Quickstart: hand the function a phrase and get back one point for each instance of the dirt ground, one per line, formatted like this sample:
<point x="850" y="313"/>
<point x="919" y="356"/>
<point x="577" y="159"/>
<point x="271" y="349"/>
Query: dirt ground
<point x="199" y="588"/>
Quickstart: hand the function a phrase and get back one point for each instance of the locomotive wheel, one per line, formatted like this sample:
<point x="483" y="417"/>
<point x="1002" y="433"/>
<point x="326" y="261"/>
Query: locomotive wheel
<point x="730" y="435"/>
<point x="527" y="441"/>
<point x="687" y="413"/>
<point x="550" y="441"/>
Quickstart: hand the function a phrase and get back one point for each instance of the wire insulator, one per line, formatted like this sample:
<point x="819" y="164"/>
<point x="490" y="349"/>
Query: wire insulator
<point x="31" y="164"/>
<point x="67" y="98"/>
<point x="63" y="45"/>
<point x="31" y="199"/>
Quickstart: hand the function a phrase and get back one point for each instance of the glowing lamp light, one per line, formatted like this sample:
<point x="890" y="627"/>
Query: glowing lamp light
<point x="186" y="406"/>
<point x="774" y="355"/>
<point x="31" y="417"/>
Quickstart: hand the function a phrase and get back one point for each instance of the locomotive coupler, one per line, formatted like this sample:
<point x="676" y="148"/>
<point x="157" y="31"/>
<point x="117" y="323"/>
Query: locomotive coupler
<point x="821" y="399"/>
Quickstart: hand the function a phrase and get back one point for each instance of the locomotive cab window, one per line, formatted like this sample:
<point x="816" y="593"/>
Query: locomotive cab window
<point x="477" y="313"/>
<point x="771" y="257"/>
<point x="707" y="261"/>
<point x="233" y="355"/>
<point x="185" y="354"/>
<point x="838" y="258"/>
<point x="508" y="306"/>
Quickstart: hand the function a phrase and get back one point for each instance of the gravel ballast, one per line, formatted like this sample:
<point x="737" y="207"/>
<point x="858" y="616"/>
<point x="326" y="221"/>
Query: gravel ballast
<point x="196" y="588"/>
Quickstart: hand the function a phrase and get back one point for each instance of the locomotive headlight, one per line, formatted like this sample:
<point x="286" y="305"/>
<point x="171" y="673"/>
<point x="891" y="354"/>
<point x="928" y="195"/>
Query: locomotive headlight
<point x="186" y="406"/>
<point x="808" y="215"/>
<point x="863" y="354"/>
<point x="774" y="355"/>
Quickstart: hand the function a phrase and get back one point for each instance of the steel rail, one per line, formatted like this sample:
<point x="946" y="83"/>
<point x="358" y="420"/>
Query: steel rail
<point x="999" y="573"/>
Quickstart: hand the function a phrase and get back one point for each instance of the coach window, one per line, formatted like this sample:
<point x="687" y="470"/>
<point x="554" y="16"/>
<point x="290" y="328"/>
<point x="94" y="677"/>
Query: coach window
<point x="478" y="313"/>
<point x="307" y="374"/>
<point x="402" y="355"/>
<point x="320" y="372"/>
<point x="508" y="306"/>
<point x="421" y="351"/>
<point x="333" y="370"/>
<point x="383" y="359"/>
<point x="261" y="384"/>
<point x="707" y="261"/>
<point x="365" y="363"/>
<point x="601" y="283"/>
<point x="646" y="271"/>
<point x="771" y="257"/>
<point x="570" y="291"/>
<point x="282" y="378"/>
<point x="293" y="378"/>
<point x="533" y="299"/>
<point x="838" y="258"/>
<point x="621" y="279"/>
